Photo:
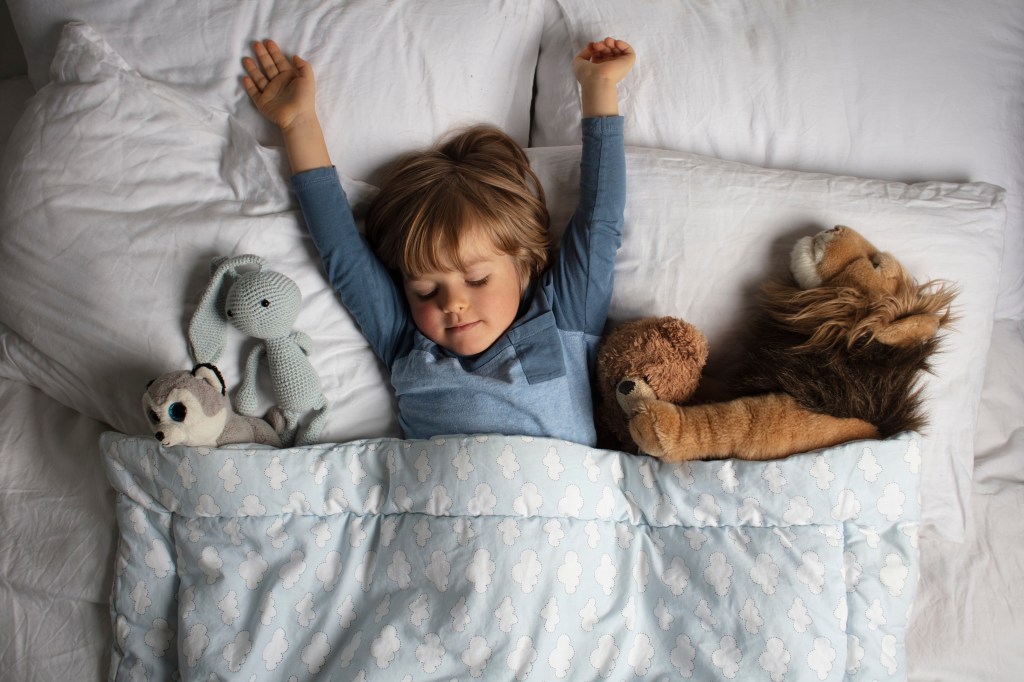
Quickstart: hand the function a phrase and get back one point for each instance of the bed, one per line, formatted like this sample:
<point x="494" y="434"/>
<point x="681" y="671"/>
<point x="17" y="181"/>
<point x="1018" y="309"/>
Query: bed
<point x="131" y="158"/>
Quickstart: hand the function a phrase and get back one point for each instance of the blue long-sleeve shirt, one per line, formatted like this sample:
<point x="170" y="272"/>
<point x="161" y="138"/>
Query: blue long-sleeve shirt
<point x="535" y="379"/>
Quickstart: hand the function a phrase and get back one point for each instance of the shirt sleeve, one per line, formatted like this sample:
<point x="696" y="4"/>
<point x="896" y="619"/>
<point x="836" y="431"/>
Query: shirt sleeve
<point x="583" y="275"/>
<point x="366" y="288"/>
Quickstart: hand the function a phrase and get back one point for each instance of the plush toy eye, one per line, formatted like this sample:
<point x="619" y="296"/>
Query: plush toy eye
<point x="177" y="412"/>
<point x="230" y="314"/>
<point x="153" y="416"/>
<point x="265" y="303"/>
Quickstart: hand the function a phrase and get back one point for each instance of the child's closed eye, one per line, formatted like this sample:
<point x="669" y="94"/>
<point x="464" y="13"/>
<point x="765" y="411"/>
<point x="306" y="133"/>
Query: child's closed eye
<point x="425" y="296"/>
<point x="477" y="282"/>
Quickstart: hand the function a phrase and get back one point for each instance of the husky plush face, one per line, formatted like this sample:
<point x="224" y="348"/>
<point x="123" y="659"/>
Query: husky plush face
<point x="187" y="407"/>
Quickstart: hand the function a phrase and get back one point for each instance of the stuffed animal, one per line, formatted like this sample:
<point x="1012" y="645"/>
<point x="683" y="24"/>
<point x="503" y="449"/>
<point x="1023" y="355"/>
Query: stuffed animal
<point x="666" y="352"/>
<point x="835" y="356"/>
<point x="264" y="305"/>
<point x="192" y="408"/>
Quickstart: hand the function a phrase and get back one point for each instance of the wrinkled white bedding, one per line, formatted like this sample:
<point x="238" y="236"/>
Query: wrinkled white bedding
<point x="56" y="506"/>
<point x="57" y="539"/>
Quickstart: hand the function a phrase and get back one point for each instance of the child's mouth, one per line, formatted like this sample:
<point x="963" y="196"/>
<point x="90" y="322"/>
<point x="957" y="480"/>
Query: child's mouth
<point x="463" y="327"/>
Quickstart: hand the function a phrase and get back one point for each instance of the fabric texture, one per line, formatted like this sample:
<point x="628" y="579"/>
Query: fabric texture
<point x="511" y="558"/>
<point x="904" y="91"/>
<point x="366" y="57"/>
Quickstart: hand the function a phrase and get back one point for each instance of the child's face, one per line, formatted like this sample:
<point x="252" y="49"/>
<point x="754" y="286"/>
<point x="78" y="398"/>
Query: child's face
<point x="467" y="310"/>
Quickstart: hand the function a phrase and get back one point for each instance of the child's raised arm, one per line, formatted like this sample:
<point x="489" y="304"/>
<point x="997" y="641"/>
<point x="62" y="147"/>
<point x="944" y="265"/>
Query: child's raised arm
<point x="284" y="91"/>
<point x="599" y="67"/>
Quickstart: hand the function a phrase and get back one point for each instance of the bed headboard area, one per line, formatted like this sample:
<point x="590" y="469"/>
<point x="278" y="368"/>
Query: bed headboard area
<point x="12" y="57"/>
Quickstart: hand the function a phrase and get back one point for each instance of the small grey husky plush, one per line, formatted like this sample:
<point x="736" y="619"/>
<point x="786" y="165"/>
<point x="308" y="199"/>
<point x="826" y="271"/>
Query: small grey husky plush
<point x="192" y="408"/>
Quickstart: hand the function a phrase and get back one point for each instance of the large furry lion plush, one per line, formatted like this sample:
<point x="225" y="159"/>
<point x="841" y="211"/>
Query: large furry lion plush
<point x="836" y="356"/>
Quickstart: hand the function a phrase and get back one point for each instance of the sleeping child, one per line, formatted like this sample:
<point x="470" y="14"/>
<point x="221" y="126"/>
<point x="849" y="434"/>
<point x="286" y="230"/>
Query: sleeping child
<point x="452" y="285"/>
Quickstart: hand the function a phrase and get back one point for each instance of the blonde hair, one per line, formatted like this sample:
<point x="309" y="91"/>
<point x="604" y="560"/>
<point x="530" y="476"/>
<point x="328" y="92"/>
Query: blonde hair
<point x="477" y="181"/>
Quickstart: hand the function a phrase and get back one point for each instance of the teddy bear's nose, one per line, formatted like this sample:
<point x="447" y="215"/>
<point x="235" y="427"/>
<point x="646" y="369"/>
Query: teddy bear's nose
<point x="626" y="387"/>
<point x="159" y="435"/>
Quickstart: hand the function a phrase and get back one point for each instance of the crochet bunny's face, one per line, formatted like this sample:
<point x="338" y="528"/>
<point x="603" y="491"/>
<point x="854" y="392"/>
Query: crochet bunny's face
<point x="263" y="305"/>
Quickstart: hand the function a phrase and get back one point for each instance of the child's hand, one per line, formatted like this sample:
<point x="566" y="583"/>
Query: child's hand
<point x="608" y="60"/>
<point x="283" y="91"/>
<point x="599" y="67"/>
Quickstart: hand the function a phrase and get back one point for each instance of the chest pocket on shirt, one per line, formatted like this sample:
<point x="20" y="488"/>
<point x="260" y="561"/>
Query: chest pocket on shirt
<point x="539" y="349"/>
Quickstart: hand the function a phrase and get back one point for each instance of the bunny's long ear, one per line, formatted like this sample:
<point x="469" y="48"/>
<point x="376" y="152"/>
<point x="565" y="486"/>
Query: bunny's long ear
<point x="208" y="326"/>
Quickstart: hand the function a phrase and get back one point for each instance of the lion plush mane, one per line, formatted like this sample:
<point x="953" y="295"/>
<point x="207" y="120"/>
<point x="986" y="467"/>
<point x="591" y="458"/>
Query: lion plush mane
<point x="835" y="354"/>
<point x="819" y="345"/>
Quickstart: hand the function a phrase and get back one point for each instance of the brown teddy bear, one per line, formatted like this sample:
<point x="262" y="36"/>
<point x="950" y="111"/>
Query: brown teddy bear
<point x="836" y="355"/>
<point x="666" y="352"/>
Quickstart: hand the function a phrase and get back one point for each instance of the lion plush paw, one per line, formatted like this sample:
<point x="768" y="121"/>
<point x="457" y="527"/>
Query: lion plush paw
<point x="656" y="426"/>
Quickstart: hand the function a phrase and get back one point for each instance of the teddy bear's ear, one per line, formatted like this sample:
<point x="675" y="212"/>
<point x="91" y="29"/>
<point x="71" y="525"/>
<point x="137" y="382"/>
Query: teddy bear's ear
<point x="909" y="331"/>
<point x="211" y="375"/>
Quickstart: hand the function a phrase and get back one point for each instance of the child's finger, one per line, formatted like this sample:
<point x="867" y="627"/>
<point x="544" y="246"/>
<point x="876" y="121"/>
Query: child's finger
<point x="250" y="88"/>
<point x="255" y="74"/>
<point x="280" y="61"/>
<point x="586" y="53"/>
<point x="303" y="68"/>
<point x="265" y="60"/>
<point x="613" y="45"/>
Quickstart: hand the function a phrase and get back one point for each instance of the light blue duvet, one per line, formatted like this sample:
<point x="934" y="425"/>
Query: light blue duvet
<point x="509" y="558"/>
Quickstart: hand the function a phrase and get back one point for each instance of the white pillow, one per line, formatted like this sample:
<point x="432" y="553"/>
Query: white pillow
<point x="702" y="234"/>
<point x="910" y="90"/>
<point x="115" y="193"/>
<point x="391" y="76"/>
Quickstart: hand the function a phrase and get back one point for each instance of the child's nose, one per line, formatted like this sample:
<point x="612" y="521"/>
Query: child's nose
<point x="454" y="302"/>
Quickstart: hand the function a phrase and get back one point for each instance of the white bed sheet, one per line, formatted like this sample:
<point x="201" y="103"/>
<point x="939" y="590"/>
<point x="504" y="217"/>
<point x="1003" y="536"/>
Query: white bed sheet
<point x="56" y="541"/>
<point x="999" y="441"/>
<point x="968" y="620"/>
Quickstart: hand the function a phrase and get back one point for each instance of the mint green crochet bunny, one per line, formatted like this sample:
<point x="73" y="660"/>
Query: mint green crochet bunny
<point x="264" y="305"/>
